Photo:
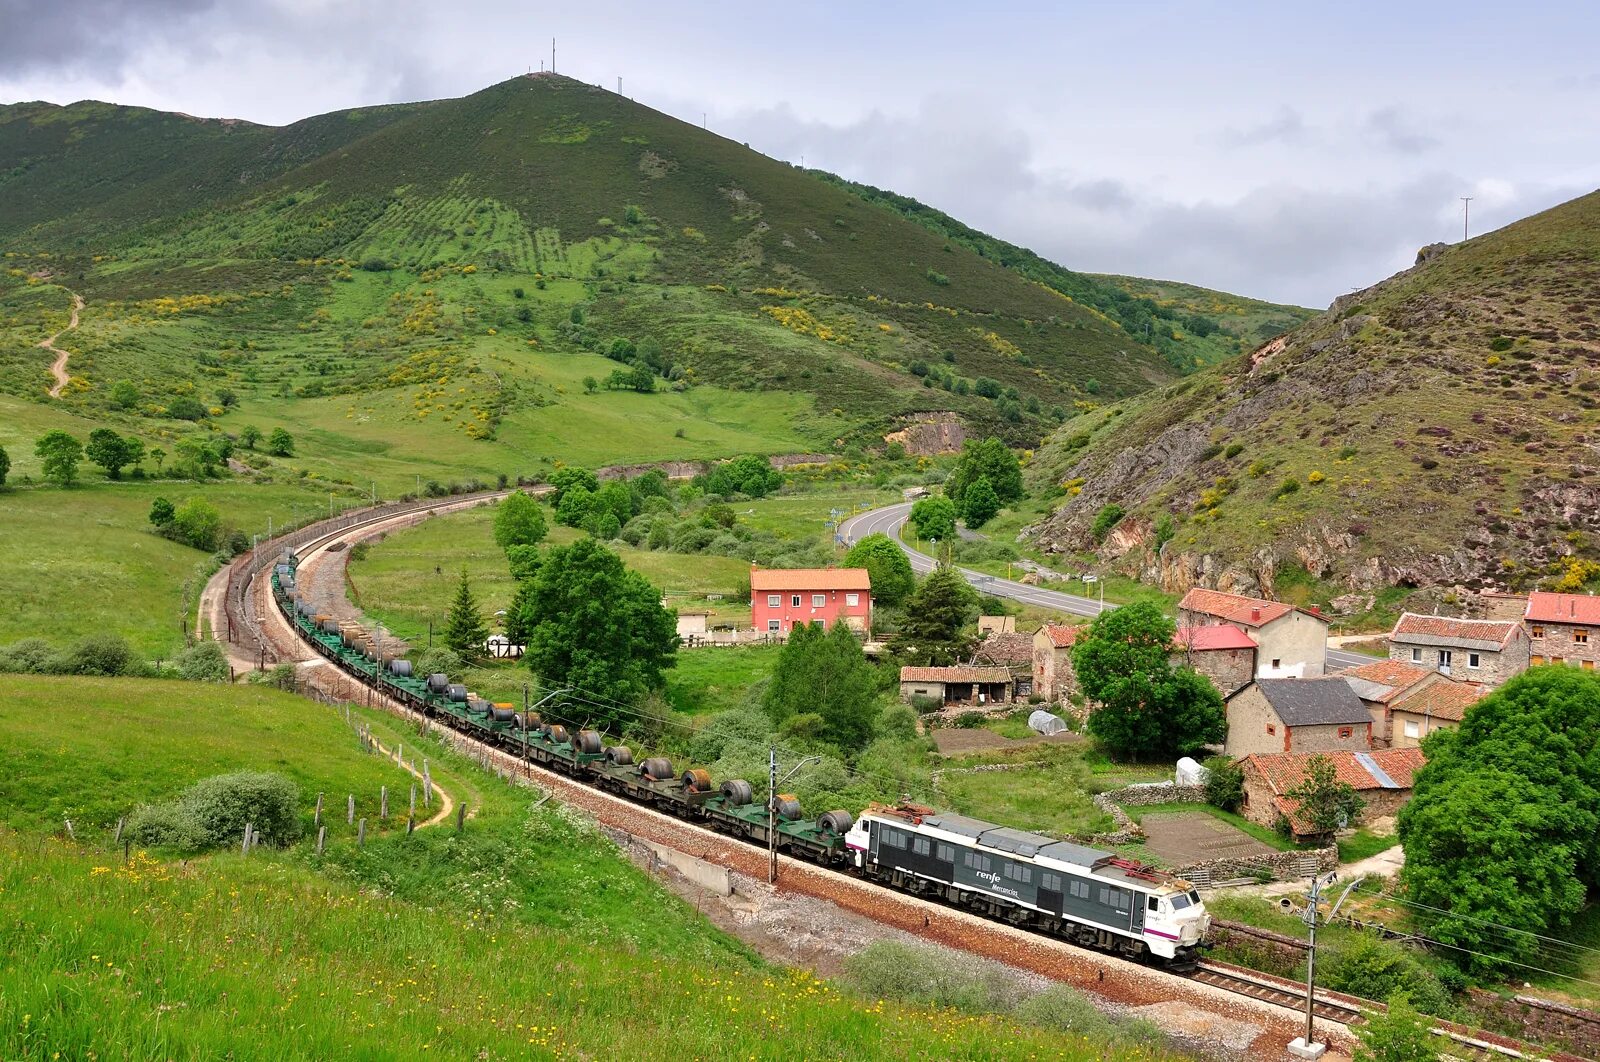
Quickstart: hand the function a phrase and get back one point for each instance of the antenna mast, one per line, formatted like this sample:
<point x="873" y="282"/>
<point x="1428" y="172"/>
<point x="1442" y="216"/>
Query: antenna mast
<point x="1466" y="212"/>
<point x="552" y="55"/>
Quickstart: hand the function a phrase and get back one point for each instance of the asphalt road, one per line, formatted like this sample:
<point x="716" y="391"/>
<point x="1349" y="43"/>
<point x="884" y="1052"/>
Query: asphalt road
<point x="888" y="520"/>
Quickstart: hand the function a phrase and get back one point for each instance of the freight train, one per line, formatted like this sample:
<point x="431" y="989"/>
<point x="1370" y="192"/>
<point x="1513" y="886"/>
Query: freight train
<point x="1083" y="895"/>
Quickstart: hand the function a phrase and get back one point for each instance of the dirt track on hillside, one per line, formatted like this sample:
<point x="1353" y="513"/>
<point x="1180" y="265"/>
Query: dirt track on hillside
<point x="58" y="368"/>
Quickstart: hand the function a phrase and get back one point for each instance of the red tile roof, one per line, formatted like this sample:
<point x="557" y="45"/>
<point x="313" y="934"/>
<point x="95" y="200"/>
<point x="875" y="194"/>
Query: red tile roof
<point x="1446" y="630"/>
<point x="809" y="579"/>
<point x="1060" y="636"/>
<point x="1282" y="771"/>
<point x="1383" y="680"/>
<point x="1217" y="636"/>
<point x="1235" y="608"/>
<point x="958" y="673"/>
<point x="1445" y="700"/>
<point x="1563" y="608"/>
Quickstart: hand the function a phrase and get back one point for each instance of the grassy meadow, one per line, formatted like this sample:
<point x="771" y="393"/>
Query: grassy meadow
<point x="526" y="935"/>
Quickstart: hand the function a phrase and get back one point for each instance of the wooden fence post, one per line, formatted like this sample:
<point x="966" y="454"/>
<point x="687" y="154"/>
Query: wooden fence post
<point x="118" y="838"/>
<point x="413" y="811"/>
<point x="350" y="809"/>
<point x="70" y="834"/>
<point x="461" y="816"/>
<point x="316" y="823"/>
<point x="411" y="823"/>
<point x="322" y="839"/>
<point x="244" y="847"/>
<point x="361" y="833"/>
<point x="383" y="803"/>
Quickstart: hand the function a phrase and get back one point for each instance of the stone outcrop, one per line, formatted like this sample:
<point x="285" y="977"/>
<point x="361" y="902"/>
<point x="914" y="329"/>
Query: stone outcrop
<point x="929" y="434"/>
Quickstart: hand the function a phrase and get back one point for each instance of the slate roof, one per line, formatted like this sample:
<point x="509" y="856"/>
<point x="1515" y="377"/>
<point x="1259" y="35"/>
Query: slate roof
<point x="959" y="673"/>
<point x="1445" y="700"/>
<point x="1060" y="636"/>
<point x="1314" y="702"/>
<point x="1383" y="680"/>
<point x="1005" y="649"/>
<point x="1563" y="608"/>
<point x="1451" y="631"/>
<point x="1381" y="769"/>
<point x="762" y="579"/>
<point x="1235" y="608"/>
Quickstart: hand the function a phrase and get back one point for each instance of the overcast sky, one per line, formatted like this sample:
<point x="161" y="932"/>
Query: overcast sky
<point x="1281" y="150"/>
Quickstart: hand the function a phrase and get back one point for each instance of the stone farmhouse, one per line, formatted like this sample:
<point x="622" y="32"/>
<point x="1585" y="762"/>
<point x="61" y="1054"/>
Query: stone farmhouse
<point x="1012" y="651"/>
<point x="1297" y="715"/>
<point x="1408" y="702"/>
<point x="1383" y="779"/>
<point x="1291" y="642"/>
<point x="1222" y="653"/>
<point x="1486" y="651"/>
<point x="961" y="684"/>
<point x="1564" y="629"/>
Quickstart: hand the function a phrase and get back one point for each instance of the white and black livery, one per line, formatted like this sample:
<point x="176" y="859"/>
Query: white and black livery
<point x="1084" y="895"/>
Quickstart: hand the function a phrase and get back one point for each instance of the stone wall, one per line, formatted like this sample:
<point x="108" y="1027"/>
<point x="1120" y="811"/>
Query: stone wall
<point x="1556" y="642"/>
<point x="1538" y="1020"/>
<point x="1280" y="865"/>
<point x="1139" y="796"/>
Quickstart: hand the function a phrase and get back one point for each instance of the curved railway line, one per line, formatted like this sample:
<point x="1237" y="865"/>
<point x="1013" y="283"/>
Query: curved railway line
<point x="246" y="589"/>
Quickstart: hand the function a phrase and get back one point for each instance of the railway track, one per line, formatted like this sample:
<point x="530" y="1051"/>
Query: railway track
<point x="1247" y="983"/>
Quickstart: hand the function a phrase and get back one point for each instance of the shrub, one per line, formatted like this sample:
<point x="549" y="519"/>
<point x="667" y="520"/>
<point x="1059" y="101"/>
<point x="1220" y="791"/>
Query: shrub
<point x="30" y="656"/>
<point x="1107" y="518"/>
<point x="1501" y="343"/>
<point x="1373" y="968"/>
<point x="897" y="722"/>
<point x="166" y="826"/>
<point x="969" y="721"/>
<point x="95" y="654"/>
<point x="439" y="660"/>
<point x="738" y="730"/>
<point x="1210" y="451"/>
<point x="223" y="804"/>
<point x="279" y="677"/>
<point x="1257" y="469"/>
<point x="1315" y="477"/>
<point x="924" y="705"/>
<point x="1225" y="783"/>
<point x="1233" y="450"/>
<point x="204" y="661"/>
<point x="1286" y="488"/>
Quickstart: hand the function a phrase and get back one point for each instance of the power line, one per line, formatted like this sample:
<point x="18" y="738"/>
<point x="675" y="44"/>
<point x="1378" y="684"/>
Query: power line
<point x="1480" y="921"/>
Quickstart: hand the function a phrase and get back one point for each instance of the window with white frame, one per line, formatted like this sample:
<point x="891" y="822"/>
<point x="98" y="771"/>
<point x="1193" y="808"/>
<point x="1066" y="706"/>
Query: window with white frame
<point x="1416" y="655"/>
<point x="1413" y="728"/>
<point x="818" y="600"/>
<point x="852" y="600"/>
<point x="774" y="600"/>
<point x="774" y="625"/>
<point x="1474" y="660"/>
<point x="794" y="602"/>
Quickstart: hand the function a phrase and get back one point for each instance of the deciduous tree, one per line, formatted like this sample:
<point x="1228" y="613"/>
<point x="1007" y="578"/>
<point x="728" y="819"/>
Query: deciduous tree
<point x="980" y="504"/>
<point x="5" y="465"/>
<point x="518" y="521"/>
<point x="249" y="436"/>
<point x="887" y="565"/>
<point x="59" y="454"/>
<point x="111" y="451"/>
<point x="599" y="628"/>
<point x="1142" y="705"/>
<point x="1325" y="802"/>
<point x="280" y="443"/>
<point x="934" y="518"/>
<point x="987" y="459"/>
<point x="826" y="673"/>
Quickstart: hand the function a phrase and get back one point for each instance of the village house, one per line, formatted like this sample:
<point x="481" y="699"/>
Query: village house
<point x="1221" y="652"/>
<point x="1290" y="642"/>
<point x="1297" y="715"/>
<point x="1052" y="661"/>
<point x="1438" y="705"/>
<point x="1563" y="629"/>
<point x="692" y="623"/>
<point x="1382" y="682"/>
<point x="1382" y="779"/>
<point x="1012" y="651"/>
<point x="1224" y="654"/>
<point x="783" y="597"/>
<point x="961" y="684"/>
<point x="1487" y="651"/>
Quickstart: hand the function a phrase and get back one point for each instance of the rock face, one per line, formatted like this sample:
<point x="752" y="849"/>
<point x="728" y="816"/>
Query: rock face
<point x="1438" y="429"/>
<point x="930" y="434"/>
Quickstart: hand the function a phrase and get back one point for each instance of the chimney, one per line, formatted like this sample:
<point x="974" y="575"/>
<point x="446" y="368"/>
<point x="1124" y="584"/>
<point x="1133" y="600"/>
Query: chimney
<point x="1316" y="610"/>
<point x="1255" y="613"/>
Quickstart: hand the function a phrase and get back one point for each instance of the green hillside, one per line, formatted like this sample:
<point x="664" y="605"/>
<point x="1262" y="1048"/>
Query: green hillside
<point x="1438" y="428"/>
<point x="1189" y="326"/>
<point x="460" y="264"/>
<point x="528" y="935"/>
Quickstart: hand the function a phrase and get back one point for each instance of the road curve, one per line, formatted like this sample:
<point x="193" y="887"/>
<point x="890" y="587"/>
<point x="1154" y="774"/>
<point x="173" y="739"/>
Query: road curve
<point x="889" y="519"/>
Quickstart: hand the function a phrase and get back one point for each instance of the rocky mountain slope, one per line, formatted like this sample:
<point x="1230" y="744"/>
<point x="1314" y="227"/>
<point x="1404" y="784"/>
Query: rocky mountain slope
<point x="1441" y="427"/>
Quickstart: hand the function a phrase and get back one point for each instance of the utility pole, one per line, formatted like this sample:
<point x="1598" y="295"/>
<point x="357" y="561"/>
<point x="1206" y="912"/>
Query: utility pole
<point x="619" y="84"/>
<point x="1306" y="1046"/>
<point x="1466" y="212"/>
<point x="552" y="55"/>
<point x="773" y="782"/>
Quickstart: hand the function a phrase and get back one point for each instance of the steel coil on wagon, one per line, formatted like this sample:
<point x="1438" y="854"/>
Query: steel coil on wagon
<point x="557" y="735"/>
<point x="835" y="822"/>
<point x="697" y="780"/>
<point x="619" y="756"/>
<point x="438" y="682"/>
<point x="477" y="706"/>
<point x="503" y="713"/>
<point x="737" y="792"/>
<point x="400" y="668"/>
<point x="531" y="721"/>
<point x="456" y="692"/>
<point x="656" y="768"/>
<point x="327" y="625"/>
<point x="788" y="806"/>
<point x="587" y="742"/>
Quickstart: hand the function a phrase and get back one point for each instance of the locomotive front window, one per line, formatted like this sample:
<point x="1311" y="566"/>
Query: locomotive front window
<point x="1180" y="902"/>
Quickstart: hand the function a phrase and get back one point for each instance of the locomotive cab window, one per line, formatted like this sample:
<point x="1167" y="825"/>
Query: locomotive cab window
<point x="921" y="846"/>
<point x="1049" y="882"/>
<point x="1152" y="904"/>
<point x="1080" y="889"/>
<point x="945" y="853"/>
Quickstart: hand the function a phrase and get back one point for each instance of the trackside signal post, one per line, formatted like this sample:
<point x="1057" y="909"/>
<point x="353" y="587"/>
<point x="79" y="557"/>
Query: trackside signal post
<point x="1305" y="1046"/>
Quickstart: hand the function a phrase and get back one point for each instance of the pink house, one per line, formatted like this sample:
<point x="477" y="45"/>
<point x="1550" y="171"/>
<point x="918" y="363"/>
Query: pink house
<point x="780" y="598"/>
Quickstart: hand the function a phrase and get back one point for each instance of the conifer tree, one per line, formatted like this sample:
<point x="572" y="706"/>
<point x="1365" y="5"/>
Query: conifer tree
<point x="464" y="629"/>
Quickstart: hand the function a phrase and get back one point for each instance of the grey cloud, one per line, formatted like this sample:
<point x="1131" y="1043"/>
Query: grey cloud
<point x="78" y="34"/>
<point x="1286" y="127"/>
<point x="1393" y="130"/>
